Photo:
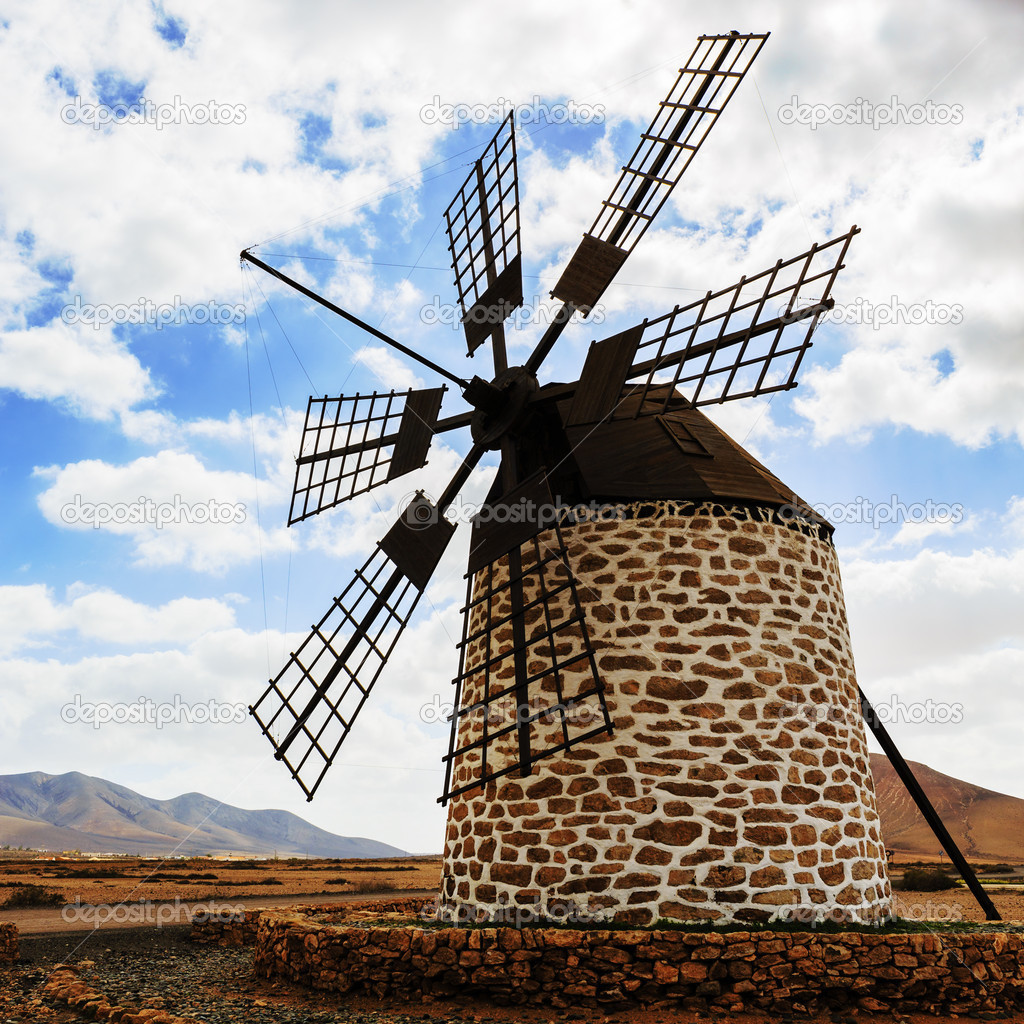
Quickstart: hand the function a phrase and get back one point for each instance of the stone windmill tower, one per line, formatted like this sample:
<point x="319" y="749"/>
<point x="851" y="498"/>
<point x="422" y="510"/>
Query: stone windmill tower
<point x="656" y="713"/>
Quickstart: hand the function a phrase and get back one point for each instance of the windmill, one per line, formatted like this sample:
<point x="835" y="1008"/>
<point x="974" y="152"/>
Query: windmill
<point x="644" y="598"/>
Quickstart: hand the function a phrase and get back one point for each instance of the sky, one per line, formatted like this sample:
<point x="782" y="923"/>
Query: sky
<point x="144" y="373"/>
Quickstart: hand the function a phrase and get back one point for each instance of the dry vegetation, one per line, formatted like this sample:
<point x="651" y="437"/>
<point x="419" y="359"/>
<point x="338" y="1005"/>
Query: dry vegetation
<point x="125" y="879"/>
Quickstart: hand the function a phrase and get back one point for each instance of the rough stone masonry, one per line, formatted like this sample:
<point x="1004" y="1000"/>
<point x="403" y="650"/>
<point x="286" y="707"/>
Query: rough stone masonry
<point x="736" y="781"/>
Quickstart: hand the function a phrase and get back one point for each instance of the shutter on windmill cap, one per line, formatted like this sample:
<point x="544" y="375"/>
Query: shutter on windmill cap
<point x="590" y="271"/>
<point x="498" y="302"/>
<point x="599" y="389"/>
<point x="492" y="538"/>
<point x="414" y="548"/>
<point x="415" y="431"/>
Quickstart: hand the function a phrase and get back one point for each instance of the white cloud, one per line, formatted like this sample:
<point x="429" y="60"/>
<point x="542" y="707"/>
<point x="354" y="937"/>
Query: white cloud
<point x="82" y="368"/>
<point x="174" y="509"/>
<point x="31" y="617"/>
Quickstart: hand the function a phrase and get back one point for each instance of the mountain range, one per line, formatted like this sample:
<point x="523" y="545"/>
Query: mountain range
<point x="79" y="812"/>
<point x="985" y="825"/>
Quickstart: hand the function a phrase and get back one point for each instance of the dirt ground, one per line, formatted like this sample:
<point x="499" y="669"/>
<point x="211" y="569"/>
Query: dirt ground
<point x="117" y="880"/>
<point x="127" y="879"/>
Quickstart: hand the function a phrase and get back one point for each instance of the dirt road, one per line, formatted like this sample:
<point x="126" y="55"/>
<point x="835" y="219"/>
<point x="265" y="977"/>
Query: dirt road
<point x="71" y="918"/>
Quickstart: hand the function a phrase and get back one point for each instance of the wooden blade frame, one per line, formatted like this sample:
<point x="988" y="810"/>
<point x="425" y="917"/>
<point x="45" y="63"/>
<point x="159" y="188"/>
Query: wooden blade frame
<point x="483" y="238"/>
<point x="729" y="344"/>
<point x="685" y="117"/>
<point x="316" y="697"/>
<point x="351" y="445"/>
<point x="541" y="691"/>
<point x="724" y="346"/>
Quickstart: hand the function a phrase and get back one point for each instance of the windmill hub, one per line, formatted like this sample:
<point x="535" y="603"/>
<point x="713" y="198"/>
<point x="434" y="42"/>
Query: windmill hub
<point x="501" y="405"/>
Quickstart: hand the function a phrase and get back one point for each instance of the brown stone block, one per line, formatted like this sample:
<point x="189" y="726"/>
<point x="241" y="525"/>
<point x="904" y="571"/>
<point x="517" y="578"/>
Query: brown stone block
<point x="705" y="709"/>
<point x="548" y="786"/>
<point x="667" y="725"/>
<point x="561" y="805"/>
<point x="561" y="837"/>
<point x="686" y="558"/>
<point x="705" y="668"/>
<point x="708" y="741"/>
<point x="804" y="835"/>
<point x="657" y="768"/>
<point x="517" y="839"/>
<point x="724" y="876"/>
<point x="765" y="835"/>
<point x="580" y="786"/>
<point x="841" y="794"/>
<point x="832" y="874"/>
<point x="650" y="707"/>
<point x="767" y="876"/>
<point x="520" y="875"/>
<point x="768" y="814"/>
<point x="799" y="795"/>
<point x="675" y="688"/>
<point x="670" y="833"/>
<point x="652" y="855"/>
<point x="777" y="897"/>
<point x="549" y="875"/>
<point x="644" y="805"/>
<point x="622" y="785"/>
<point x="538" y="855"/>
<point x="743" y="690"/>
<point x="598" y="802"/>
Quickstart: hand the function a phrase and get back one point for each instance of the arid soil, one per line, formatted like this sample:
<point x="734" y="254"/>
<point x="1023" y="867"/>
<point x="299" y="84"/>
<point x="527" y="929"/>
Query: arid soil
<point x="225" y="974"/>
<point x="126" y="879"/>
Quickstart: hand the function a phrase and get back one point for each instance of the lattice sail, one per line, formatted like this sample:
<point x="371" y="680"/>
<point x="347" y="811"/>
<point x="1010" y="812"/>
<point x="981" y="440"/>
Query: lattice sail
<point x="528" y="685"/>
<point x="483" y="238"/>
<point x="729" y="344"/>
<point x="351" y="445"/>
<point x="308" y="709"/>
<point x="685" y="117"/>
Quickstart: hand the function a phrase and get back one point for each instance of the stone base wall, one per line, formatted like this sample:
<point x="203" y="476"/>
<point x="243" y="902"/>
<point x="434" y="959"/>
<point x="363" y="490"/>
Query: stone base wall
<point x="736" y="781"/>
<point x="778" y="972"/>
<point x="8" y="943"/>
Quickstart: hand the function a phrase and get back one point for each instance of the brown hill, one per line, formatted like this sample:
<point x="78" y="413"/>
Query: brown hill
<point x="985" y="825"/>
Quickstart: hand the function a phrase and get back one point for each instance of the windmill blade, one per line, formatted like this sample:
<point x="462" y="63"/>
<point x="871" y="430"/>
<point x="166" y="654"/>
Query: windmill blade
<point x="483" y="237"/>
<point x="730" y="344"/>
<point x="351" y="445"/>
<point x="308" y="709"/>
<point x="685" y="117"/>
<point x="528" y="685"/>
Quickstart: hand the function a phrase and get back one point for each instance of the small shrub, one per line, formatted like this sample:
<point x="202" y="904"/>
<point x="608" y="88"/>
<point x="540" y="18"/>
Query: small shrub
<point x="373" y="886"/>
<point x="927" y="880"/>
<point x="34" y="896"/>
<point x="335" y="881"/>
